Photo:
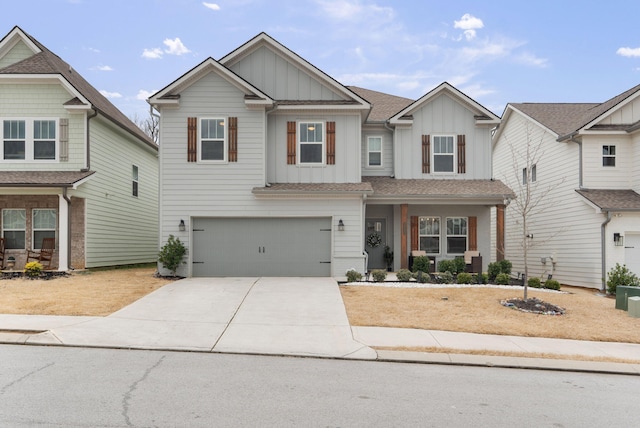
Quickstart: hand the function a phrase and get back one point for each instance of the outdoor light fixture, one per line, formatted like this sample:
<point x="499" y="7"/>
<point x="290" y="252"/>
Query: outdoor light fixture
<point x="181" y="226"/>
<point x="618" y="240"/>
<point x="341" y="225"/>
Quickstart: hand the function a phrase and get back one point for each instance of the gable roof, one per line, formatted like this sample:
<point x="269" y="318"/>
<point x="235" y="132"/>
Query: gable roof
<point x="383" y="106"/>
<point x="46" y="63"/>
<point x="612" y="199"/>
<point x="482" y="114"/>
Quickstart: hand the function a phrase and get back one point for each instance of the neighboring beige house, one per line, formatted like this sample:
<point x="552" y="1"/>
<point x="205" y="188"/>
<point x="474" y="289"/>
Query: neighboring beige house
<point x="269" y="166"/>
<point x="72" y="165"/>
<point x="588" y="167"/>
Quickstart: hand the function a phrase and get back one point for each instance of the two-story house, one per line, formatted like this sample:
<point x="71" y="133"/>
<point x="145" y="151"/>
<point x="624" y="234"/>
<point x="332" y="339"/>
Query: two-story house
<point x="269" y="166"/>
<point x="72" y="166"/>
<point x="583" y="169"/>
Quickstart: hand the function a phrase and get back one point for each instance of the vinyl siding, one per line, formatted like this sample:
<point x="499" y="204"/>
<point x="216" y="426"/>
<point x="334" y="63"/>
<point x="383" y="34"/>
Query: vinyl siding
<point x="17" y="53"/>
<point x="120" y="228"/>
<point x="387" y="151"/>
<point x="635" y="163"/>
<point x="597" y="176"/>
<point x="564" y="226"/>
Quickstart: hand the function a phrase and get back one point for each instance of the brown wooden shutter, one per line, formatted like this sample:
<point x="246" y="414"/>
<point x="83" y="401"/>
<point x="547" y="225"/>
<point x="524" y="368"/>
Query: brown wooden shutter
<point x="331" y="143"/>
<point x="233" y="139"/>
<point x="426" y="154"/>
<point x="500" y="229"/>
<point x="291" y="143"/>
<point x="192" y="139"/>
<point x="473" y="233"/>
<point x="415" y="233"/>
<point x="64" y="139"/>
<point x="462" y="167"/>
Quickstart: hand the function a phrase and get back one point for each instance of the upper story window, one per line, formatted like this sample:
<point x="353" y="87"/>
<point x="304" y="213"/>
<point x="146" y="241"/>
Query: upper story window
<point x="29" y="140"/>
<point x="44" y="226"/>
<point x="14" y="226"/>
<point x="429" y="233"/>
<point x="608" y="155"/>
<point x="443" y="153"/>
<point x="374" y="151"/>
<point x="311" y="142"/>
<point x="213" y="142"/>
<point x="134" y="180"/>
<point x="456" y="235"/>
<point x="526" y="177"/>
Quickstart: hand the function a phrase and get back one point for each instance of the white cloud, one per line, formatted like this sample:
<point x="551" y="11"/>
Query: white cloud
<point x="102" y="68"/>
<point x="211" y="6"/>
<point x="353" y="10"/>
<point x="154" y="53"/>
<point x="175" y="47"/>
<point x="469" y="24"/>
<point x="530" y="59"/>
<point x="629" y="52"/>
<point x="110" y="94"/>
<point x="143" y="95"/>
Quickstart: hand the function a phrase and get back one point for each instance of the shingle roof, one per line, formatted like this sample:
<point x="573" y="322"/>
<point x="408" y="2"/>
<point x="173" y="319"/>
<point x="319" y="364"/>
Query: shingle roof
<point x="46" y="62"/>
<point x="42" y="178"/>
<point x="383" y="106"/>
<point x="281" y="188"/>
<point x="612" y="199"/>
<point x="387" y="186"/>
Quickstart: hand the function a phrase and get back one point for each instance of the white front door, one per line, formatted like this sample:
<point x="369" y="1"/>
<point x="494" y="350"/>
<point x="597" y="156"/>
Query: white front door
<point x="632" y="252"/>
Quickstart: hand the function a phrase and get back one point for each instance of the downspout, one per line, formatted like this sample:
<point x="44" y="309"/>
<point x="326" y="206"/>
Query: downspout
<point x="88" y="158"/>
<point x="68" y="199"/>
<point x="603" y="250"/>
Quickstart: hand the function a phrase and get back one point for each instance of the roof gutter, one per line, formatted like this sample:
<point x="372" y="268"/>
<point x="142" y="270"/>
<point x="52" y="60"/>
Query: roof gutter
<point x="603" y="249"/>
<point x="88" y="147"/>
<point x="567" y="137"/>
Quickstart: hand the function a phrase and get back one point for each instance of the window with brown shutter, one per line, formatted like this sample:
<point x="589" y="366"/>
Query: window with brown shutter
<point x="291" y="143"/>
<point x="192" y="139"/>
<point x="462" y="168"/>
<point x="233" y="139"/>
<point x="64" y="139"/>
<point x="331" y="143"/>
<point x="426" y="154"/>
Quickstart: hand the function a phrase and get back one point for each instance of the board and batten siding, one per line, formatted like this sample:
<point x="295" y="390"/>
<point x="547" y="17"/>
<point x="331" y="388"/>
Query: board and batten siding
<point x="564" y="226"/>
<point x="597" y="176"/>
<point x="44" y="101"/>
<point x="17" y="53"/>
<point x="635" y="163"/>
<point x="281" y="79"/>
<point x="347" y="147"/>
<point x="387" y="152"/>
<point x="120" y="228"/>
<point x="443" y="116"/>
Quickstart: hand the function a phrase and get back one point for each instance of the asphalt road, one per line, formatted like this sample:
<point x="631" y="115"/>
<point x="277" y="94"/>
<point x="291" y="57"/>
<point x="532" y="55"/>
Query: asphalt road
<point x="76" y="387"/>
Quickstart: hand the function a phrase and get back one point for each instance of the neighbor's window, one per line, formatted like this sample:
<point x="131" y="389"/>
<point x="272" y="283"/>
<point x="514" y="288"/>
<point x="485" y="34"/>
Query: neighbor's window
<point x="608" y="155"/>
<point x="212" y="139"/>
<point x="374" y="151"/>
<point x="44" y="226"/>
<point x="430" y="234"/>
<point x="311" y="142"/>
<point x="14" y="139"/>
<point x="532" y="177"/>
<point x="14" y="226"/>
<point x="524" y="175"/>
<point x="443" y="153"/>
<point x="134" y="180"/>
<point x="44" y="139"/>
<point x="456" y="235"/>
<point x="533" y="173"/>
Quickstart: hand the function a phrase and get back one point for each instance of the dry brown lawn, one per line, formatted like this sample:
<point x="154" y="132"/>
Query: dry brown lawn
<point x="97" y="292"/>
<point x="588" y="316"/>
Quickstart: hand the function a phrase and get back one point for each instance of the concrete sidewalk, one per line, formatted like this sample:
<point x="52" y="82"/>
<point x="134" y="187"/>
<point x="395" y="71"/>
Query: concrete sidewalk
<point x="289" y="316"/>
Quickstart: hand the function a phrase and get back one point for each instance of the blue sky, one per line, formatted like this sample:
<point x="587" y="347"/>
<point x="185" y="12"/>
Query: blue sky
<point x="495" y="51"/>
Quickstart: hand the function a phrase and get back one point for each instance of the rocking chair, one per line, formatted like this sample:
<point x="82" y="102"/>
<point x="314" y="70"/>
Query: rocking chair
<point x="45" y="255"/>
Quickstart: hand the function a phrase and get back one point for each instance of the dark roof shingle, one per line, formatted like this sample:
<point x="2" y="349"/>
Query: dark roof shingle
<point x="383" y="106"/>
<point x="42" y="178"/>
<point x="612" y="199"/>
<point x="387" y="186"/>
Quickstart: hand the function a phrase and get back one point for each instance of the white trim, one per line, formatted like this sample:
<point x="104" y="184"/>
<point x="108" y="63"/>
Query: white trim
<point x="439" y="235"/>
<point x="33" y="225"/>
<point x="454" y="154"/>
<point x="15" y="230"/>
<point x="300" y="143"/>
<point x="466" y="236"/>
<point x="135" y="178"/>
<point x="225" y="141"/>
<point x="381" y="151"/>
<point x="63" y="234"/>
<point x="29" y="140"/>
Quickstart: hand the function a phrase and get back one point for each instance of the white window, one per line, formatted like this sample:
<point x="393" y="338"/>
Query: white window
<point x="44" y="226"/>
<point x="29" y="140"/>
<point x="374" y="151"/>
<point x="608" y="155"/>
<point x="443" y="153"/>
<point x="134" y="180"/>
<point x="430" y="234"/>
<point x="524" y="175"/>
<point x="14" y="226"/>
<point x="456" y="235"/>
<point x="311" y="143"/>
<point x="532" y="177"/>
<point x="213" y="141"/>
<point x="533" y="173"/>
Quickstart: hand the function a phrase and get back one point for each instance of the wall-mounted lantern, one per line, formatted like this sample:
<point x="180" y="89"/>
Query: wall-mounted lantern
<point x="618" y="240"/>
<point x="341" y="225"/>
<point x="182" y="227"/>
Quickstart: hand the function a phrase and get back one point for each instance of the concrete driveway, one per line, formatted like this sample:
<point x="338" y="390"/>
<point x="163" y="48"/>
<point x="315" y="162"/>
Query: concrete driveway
<point x="281" y="316"/>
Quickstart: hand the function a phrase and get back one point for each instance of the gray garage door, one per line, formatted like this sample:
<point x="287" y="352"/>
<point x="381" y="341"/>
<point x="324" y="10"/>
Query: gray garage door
<point x="261" y="247"/>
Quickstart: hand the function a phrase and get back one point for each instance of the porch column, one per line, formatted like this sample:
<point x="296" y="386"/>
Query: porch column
<point x="63" y="234"/>
<point x="500" y="232"/>
<point x="404" y="228"/>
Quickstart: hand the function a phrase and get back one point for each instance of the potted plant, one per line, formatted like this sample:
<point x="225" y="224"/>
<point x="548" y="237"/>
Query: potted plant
<point x="388" y="258"/>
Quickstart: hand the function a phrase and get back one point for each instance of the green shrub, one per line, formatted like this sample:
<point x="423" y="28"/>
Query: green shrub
<point x="446" y="266"/>
<point x="534" y="282"/>
<point x="483" y="278"/>
<point x="465" y="278"/>
<point x="379" y="275"/>
<point x="552" y="284"/>
<point x="502" y="279"/>
<point x="33" y="269"/>
<point x="446" y="277"/>
<point x="421" y="277"/>
<point x="493" y="270"/>
<point x="505" y="266"/>
<point x="421" y="263"/>
<point x="458" y="265"/>
<point x="404" y="275"/>
<point x="621" y="275"/>
<point x="353" y="275"/>
<point x="171" y="254"/>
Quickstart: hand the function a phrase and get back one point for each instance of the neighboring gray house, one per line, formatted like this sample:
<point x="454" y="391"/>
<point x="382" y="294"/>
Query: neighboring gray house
<point x="268" y="166"/>
<point x="72" y="166"/>
<point x="588" y="167"/>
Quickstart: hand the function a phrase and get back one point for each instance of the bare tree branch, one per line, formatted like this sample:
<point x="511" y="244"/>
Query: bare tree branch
<point x="150" y="125"/>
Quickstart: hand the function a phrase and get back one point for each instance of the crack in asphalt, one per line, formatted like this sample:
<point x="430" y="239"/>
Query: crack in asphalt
<point x="31" y="373"/>
<point x="128" y="395"/>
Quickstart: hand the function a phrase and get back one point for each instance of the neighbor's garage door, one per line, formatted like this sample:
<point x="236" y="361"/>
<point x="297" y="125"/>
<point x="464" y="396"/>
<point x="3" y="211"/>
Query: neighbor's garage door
<point x="261" y="247"/>
<point x="632" y="252"/>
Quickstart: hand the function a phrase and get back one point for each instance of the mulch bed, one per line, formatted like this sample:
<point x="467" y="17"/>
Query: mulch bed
<point x="533" y="305"/>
